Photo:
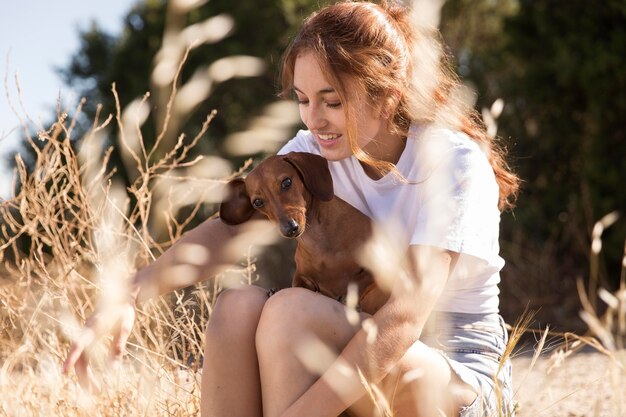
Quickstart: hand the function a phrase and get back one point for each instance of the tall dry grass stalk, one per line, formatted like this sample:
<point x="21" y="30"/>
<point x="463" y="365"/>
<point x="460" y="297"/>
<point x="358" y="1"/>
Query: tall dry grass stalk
<point x="561" y="351"/>
<point x="608" y="328"/>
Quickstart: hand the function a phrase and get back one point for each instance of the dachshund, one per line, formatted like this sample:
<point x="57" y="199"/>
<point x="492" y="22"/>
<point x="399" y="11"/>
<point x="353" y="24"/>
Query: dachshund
<point x="295" y="191"/>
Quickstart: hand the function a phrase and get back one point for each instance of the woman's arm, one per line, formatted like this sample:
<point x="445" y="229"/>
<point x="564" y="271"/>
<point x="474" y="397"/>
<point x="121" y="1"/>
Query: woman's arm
<point x="400" y="322"/>
<point x="201" y="253"/>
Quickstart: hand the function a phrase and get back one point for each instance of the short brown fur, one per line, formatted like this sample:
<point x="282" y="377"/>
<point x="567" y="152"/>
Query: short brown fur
<point x="329" y="231"/>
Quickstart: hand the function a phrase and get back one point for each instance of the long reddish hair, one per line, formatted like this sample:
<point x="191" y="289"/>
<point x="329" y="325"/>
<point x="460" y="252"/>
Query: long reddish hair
<point x="373" y="52"/>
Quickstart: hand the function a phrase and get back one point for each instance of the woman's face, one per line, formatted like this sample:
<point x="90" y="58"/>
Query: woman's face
<point x="322" y="112"/>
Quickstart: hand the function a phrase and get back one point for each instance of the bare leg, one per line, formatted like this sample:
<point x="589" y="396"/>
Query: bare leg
<point x="290" y="318"/>
<point x="294" y="317"/>
<point x="230" y="372"/>
<point x="422" y="384"/>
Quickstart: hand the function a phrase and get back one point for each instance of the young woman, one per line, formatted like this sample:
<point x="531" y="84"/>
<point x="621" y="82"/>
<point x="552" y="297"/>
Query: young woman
<point x="378" y="99"/>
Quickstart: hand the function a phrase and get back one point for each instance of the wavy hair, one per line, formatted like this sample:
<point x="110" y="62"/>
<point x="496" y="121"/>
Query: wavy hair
<point x="374" y="52"/>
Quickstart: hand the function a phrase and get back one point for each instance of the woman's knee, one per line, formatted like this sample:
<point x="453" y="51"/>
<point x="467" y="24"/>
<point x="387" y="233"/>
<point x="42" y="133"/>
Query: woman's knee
<point x="296" y="315"/>
<point x="237" y="310"/>
<point x="420" y="383"/>
<point x="423" y="367"/>
<point x="285" y="315"/>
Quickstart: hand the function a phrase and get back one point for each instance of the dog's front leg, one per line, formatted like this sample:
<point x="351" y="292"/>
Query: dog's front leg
<point x="300" y="280"/>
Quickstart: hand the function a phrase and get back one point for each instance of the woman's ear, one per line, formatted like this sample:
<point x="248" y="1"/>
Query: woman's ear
<point x="236" y="208"/>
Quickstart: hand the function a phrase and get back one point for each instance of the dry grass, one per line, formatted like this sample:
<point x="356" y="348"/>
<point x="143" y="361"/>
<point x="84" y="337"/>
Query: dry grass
<point x="580" y="375"/>
<point x="71" y="237"/>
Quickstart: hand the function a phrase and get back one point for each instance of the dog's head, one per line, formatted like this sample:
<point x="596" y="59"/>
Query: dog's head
<point x="281" y="187"/>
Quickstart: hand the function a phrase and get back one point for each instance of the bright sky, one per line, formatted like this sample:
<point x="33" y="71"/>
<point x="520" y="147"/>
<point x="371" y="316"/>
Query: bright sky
<point x="38" y="36"/>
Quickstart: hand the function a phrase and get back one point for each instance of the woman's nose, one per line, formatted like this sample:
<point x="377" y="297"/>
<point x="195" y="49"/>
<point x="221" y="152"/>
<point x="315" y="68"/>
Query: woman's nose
<point x="314" y="117"/>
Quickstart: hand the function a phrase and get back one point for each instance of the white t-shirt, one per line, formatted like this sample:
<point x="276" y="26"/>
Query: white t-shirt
<point x="449" y="201"/>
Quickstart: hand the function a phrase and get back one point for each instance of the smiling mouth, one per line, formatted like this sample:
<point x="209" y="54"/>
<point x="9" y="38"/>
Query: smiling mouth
<point x="328" y="137"/>
<point x="328" y="140"/>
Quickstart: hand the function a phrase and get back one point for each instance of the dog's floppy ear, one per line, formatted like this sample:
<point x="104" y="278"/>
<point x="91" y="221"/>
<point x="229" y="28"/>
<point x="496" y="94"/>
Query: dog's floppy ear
<point x="315" y="173"/>
<point x="236" y="207"/>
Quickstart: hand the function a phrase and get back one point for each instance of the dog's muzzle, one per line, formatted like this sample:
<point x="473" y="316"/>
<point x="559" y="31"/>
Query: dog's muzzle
<point x="290" y="228"/>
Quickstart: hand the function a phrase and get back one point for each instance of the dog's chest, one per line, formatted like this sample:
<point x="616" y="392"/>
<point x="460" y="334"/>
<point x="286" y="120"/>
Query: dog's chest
<point x="320" y="254"/>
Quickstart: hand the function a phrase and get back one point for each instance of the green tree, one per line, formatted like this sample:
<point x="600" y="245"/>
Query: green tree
<point x="560" y="69"/>
<point x="566" y="71"/>
<point x="261" y="29"/>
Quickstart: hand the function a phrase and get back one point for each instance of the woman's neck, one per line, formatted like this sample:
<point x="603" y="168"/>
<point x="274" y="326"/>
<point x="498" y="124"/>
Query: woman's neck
<point x="388" y="148"/>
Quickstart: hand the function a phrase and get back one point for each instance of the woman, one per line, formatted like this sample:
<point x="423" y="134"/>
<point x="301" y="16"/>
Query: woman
<point x="379" y="104"/>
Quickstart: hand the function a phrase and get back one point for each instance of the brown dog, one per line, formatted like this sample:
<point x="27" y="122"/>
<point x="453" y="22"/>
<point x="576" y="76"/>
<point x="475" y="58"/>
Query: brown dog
<point x="295" y="191"/>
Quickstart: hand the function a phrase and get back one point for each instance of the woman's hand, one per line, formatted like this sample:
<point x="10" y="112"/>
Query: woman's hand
<point x="117" y="320"/>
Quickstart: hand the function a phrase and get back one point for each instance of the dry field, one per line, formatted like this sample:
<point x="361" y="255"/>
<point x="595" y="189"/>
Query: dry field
<point x="584" y="384"/>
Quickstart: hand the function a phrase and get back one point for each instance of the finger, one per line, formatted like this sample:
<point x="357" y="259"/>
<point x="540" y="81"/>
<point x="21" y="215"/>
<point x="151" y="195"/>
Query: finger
<point x="72" y="357"/>
<point x="77" y="350"/>
<point x="118" y="346"/>
<point x="85" y="376"/>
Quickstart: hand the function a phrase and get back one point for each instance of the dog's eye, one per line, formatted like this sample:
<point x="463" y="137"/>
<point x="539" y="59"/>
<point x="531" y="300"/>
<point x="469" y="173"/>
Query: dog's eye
<point x="257" y="203"/>
<point x="286" y="183"/>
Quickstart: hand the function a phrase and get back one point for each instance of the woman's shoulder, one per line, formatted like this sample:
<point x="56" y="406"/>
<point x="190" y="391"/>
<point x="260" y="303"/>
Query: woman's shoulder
<point x="433" y="143"/>
<point x="442" y="139"/>
<point x="438" y="149"/>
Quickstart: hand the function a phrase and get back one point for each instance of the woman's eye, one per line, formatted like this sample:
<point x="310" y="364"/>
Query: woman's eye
<point x="257" y="203"/>
<point x="334" y="105"/>
<point x="302" y="102"/>
<point x="286" y="183"/>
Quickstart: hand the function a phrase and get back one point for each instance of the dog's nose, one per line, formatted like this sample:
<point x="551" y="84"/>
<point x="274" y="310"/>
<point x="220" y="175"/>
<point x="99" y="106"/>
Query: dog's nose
<point x="290" y="228"/>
